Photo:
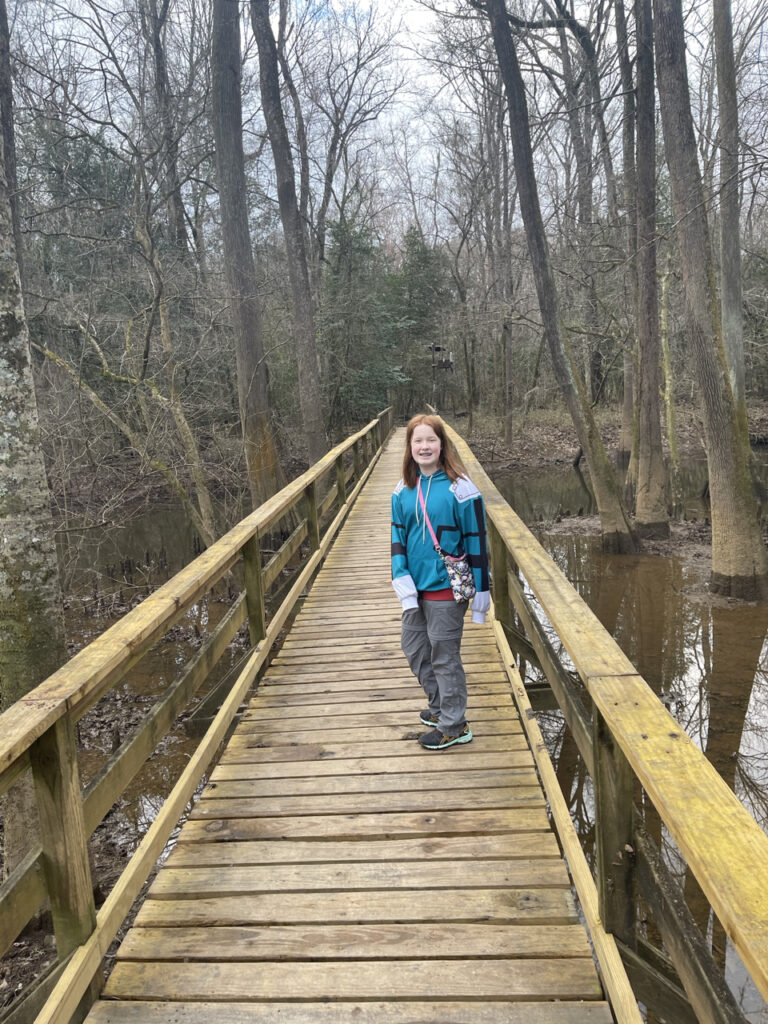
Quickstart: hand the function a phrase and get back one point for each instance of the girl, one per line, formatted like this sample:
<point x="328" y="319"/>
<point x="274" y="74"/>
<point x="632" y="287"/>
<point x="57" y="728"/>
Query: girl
<point x="434" y="487"/>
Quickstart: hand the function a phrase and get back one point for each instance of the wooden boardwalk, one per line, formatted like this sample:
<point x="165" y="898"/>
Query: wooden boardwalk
<point x="333" y="871"/>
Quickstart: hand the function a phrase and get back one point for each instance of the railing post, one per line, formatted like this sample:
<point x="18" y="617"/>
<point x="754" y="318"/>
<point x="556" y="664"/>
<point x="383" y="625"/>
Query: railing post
<point x="357" y="461"/>
<point x="500" y="585"/>
<point x="254" y="590"/>
<point x="62" y="831"/>
<point x="614" y="794"/>
<point x="341" y="483"/>
<point x="313" y="523"/>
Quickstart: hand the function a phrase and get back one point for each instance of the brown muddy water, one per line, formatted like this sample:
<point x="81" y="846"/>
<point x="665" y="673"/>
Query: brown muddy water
<point x="709" y="665"/>
<point x="707" y="662"/>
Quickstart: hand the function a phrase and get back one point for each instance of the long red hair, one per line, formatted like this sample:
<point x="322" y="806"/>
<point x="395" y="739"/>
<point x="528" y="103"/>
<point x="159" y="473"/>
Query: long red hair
<point x="449" y="460"/>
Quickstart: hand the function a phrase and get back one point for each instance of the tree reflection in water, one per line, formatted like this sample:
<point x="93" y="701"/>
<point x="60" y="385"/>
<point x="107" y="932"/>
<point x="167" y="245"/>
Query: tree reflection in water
<point x="708" y="664"/>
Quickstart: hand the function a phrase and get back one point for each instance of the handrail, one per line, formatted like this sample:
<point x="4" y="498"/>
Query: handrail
<point x="724" y="846"/>
<point x="38" y="731"/>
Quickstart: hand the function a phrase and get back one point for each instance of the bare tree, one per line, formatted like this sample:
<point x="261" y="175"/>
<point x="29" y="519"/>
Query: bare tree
<point x="264" y="471"/>
<point x="730" y="207"/>
<point x="651" y="480"/>
<point x="312" y="414"/>
<point x="31" y="621"/>
<point x="616" y="530"/>
<point x="739" y="556"/>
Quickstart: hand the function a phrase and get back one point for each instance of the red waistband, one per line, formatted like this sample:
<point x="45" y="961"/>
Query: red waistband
<point x="436" y="595"/>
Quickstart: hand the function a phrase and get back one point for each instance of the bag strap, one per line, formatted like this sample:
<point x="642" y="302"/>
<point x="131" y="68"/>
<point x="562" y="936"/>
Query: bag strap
<point x="426" y="518"/>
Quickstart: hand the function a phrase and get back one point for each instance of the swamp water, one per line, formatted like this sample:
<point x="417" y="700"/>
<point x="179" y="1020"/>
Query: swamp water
<point x="709" y="665"/>
<point x="707" y="662"/>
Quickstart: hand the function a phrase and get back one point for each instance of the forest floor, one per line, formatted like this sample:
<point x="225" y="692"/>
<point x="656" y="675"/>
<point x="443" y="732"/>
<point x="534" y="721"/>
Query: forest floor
<point x="544" y="440"/>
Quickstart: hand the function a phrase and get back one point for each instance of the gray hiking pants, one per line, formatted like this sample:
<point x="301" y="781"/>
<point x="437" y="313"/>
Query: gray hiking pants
<point x="431" y="641"/>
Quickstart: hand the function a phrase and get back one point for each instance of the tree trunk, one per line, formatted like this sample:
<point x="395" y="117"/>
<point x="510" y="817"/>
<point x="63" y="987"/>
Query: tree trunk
<point x="31" y="622"/>
<point x="9" y="134"/>
<point x="298" y="271"/>
<point x="730" y="230"/>
<point x="265" y="475"/>
<point x="651" y="493"/>
<point x="739" y="557"/>
<point x="154" y="26"/>
<point x="627" y="436"/>
<point x="669" y="389"/>
<point x="617" y="533"/>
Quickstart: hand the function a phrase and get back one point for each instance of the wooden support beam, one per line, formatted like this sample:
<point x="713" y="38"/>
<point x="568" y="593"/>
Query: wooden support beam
<point x="313" y="519"/>
<point x="341" y="481"/>
<point x="62" y="831"/>
<point x="614" y="790"/>
<point x="499" y="572"/>
<point x="254" y="590"/>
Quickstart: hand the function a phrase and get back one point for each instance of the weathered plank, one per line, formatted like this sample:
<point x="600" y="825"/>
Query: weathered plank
<point x="150" y="1012"/>
<point x="192" y="883"/>
<point x="392" y="782"/>
<point x="339" y="826"/>
<point x="379" y="979"/>
<point x="363" y="803"/>
<point x="504" y="847"/>
<point x="354" y="942"/>
<point x="524" y="906"/>
<point x="472" y="759"/>
<point x="254" y="748"/>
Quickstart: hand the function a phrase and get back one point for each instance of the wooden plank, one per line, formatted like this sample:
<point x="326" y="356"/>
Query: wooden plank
<point x="471" y="759"/>
<point x="380" y="677"/>
<point x="391" y="782"/>
<point x="211" y="807"/>
<point x="370" y="825"/>
<point x="436" y="848"/>
<point x="500" y="718"/>
<point x="337" y="692"/>
<point x="354" y="942"/>
<point x="261" y="735"/>
<point x="250" y="749"/>
<point x="194" y="883"/>
<point x="150" y="1012"/>
<point x="523" y="906"/>
<point x="378" y="979"/>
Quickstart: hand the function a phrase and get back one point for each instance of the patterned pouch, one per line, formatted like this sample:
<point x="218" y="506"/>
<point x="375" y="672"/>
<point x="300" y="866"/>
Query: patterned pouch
<point x="460" y="575"/>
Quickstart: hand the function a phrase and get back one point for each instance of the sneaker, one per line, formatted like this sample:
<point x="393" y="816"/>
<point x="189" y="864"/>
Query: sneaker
<point x="428" y="718"/>
<point x="437" y="740"/>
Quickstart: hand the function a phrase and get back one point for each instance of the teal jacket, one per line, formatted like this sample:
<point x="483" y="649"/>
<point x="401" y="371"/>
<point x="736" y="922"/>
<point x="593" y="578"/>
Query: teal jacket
<point x="457" y="514"/>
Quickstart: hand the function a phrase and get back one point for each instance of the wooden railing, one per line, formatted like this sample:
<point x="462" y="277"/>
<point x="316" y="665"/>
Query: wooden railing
<point x="628" y="740"/>
<point x="38" y="733"/>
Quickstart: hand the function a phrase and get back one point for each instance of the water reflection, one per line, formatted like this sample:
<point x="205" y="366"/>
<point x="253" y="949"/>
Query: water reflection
<point x="707" y="663"/>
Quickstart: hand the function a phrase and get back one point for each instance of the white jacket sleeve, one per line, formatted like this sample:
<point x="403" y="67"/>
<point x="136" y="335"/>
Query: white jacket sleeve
<point x="481" y="602"/>
<point x="406" y="591"/>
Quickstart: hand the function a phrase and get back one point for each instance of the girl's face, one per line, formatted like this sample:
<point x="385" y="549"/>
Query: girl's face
<point x="425" y="449"/>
